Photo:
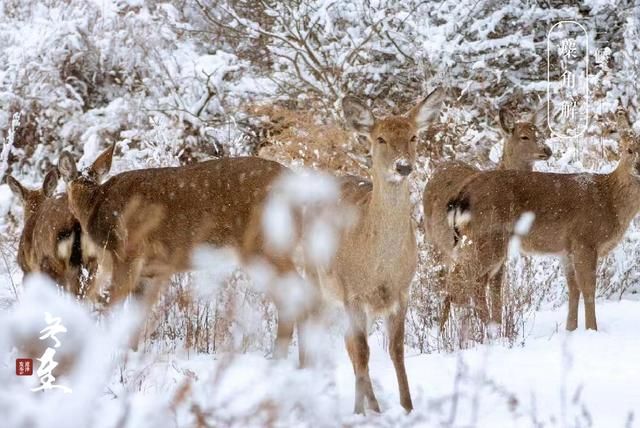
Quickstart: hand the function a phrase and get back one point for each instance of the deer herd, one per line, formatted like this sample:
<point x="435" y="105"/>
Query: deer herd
<point x="141" y="226"/>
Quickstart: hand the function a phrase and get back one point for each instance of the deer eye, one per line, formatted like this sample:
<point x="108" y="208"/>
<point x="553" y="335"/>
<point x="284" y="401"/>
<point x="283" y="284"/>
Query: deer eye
<point x="630" y="151"/>
<point x="381" y="140"/>
<point x="414" y="139"/>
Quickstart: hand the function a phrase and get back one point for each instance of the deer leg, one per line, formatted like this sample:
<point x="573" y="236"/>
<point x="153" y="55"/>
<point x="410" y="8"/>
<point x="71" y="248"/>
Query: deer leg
<point x="313" y="316"/>
<point x="283" y="336"/>
<point x="495" y="288"/>
<point x="72" y="278"/>
<point x="303" y="358"/>
<point x="469" y="277"/>
<point x="358" y="349"/>
<point x="304" y="323"/>
<point x="585" y="264"/>
<point x="124" y="278"/>
<point x="574" y="296"/>
<point x="446" y="311"/>
<point x="148" y="294"/>
<point x="480" y="298"/>
<point x="395" y="326"/>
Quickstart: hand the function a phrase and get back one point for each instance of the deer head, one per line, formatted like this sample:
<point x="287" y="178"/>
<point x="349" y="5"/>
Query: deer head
<point x="32" y="199"/>
<point x="629" y="144"/>
<point x="393" y="139"/>
<point x="82" y="185"/>
<point x="525" y="137"/>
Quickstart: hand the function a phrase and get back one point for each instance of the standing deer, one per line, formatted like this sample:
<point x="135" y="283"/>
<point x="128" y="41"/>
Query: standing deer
<point x="146" y="223"/>
<point x="521" y="149"/>
<point x="579" y="217"/>
<point x="51" y="241"/>
<point x="377" y="256"/>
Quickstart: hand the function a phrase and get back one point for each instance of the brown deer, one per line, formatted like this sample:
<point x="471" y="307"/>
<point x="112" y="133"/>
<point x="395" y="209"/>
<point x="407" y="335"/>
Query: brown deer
<point x="579" y="217"/>
<point x="523" y="146"/>
<point x="146" y="223"/>
<point x="51" y="241"/>
<point x="377" y="256"/>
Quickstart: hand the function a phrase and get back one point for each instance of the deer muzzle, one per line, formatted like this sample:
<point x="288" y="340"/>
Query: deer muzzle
<point x="403" y="167"/>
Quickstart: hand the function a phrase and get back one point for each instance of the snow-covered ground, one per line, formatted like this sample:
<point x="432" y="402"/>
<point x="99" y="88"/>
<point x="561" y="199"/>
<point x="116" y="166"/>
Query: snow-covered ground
<point x="584" y="378"/>
<point x="555" y="379"/>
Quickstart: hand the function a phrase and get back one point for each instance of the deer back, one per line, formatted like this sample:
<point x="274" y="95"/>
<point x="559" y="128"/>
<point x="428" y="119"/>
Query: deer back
<point x="209" y="202"/>
<point x="567" y="209"/>
<point x="522" y="147"/>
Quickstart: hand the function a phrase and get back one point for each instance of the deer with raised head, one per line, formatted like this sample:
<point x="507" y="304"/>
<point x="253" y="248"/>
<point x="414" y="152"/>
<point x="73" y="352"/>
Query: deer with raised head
<point x="376" y="256"/>
<point x="51" y="241"/>
<point x="523" y="146"/>
<point x="579" y="217"/>
<point x="146" y="223"/>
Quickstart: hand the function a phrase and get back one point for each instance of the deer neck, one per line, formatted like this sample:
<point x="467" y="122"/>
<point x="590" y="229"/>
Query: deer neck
<point x="81" y="202"/>
<point x="29" y="212"/>
<point x="625" y="193"/>
<point x="390" y="205"/>
<point x="31" y="207"/>
<point x="511" y="161"/>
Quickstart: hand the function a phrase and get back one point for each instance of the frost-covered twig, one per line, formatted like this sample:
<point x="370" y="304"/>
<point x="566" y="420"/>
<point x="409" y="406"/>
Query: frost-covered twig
<point x="8" y="144"/>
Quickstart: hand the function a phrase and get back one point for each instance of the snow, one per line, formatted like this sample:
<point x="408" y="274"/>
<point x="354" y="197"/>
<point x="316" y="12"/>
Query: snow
<point x="556" y="378"/>
<point x="6" y="198"/>
<point x="308" y="199"/>
<point x="543" y="378"/>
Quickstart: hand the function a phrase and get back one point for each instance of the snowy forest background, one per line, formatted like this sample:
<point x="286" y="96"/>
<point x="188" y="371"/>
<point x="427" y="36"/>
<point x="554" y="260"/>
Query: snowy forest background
<point x="175" y="82"/>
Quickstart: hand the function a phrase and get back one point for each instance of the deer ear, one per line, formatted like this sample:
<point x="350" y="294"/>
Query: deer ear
<point x="358" y="116"/>
<point x="507" y="120"/>
<point x="50" y="183"/>
<point x="67" y="167"/>
<point x="427" y="109"/>
<point x="622" y="119"/>
<point x="102" y="164"/>
<point x="17" y="188"/>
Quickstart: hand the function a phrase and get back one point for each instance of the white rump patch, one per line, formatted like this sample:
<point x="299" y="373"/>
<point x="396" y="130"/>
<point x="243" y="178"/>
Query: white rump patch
<point x="451" y="215"/>
<point x="64" y="248"/>
<point x="89" y="248"/>
<point x="458" y="218"/>
<point x="462" y="218"/>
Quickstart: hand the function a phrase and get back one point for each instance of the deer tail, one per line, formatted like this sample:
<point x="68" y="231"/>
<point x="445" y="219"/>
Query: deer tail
<point x="458" y="215"/>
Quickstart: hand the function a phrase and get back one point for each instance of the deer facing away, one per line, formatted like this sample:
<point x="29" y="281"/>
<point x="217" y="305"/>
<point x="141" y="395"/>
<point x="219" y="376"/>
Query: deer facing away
<point x="579" y="217"/>
<point x="146" y="223"/>
<point x="51" y="241"/>
<point x="522" y="148"/>
<point x="377" y="256"/>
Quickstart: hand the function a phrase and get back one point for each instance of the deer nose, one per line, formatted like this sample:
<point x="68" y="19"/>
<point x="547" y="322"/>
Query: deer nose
<point x="403" y="167"/>
<point x="546" y="153"/>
